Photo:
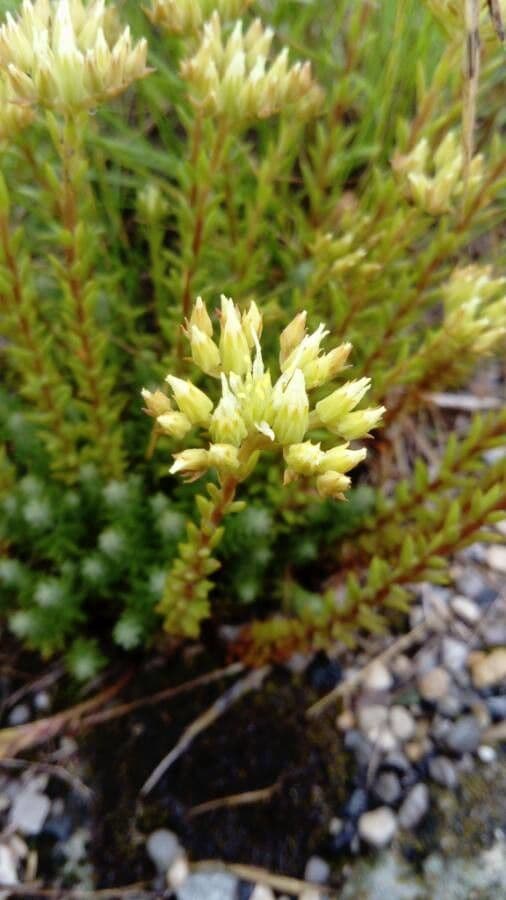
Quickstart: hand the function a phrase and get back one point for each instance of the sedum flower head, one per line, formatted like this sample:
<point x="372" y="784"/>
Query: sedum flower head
<point x="233" y="77"/>
<point x="433" y="181"/>
<point x="186" y="16"/>
<point x="252" y="412"/>
<point x="65" y="54"/>
<point x="475" y="309"/>
<point x="14" y="114"/>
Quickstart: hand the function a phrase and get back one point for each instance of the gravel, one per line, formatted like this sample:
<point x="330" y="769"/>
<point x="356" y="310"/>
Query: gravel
<point x="414" y="807"/>
<point x="29" y="811"/>
<point x="208" y="886"/>
<point x="317" y="870"/>
<point x="443" y="772"/>
<point x="464" y="736"/>
<point x="163" y="848"/>
<point x="434" y="684"/>
<point x="378" y="827"/>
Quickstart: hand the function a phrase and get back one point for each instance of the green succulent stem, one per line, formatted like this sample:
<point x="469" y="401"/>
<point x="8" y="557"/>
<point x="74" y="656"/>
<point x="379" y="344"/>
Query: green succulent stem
<point x="185" y="601"/>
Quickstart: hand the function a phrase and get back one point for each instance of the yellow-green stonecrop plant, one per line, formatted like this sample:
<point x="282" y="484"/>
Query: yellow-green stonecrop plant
<point x="185" y="17"/>
<point x="253" y="414"/>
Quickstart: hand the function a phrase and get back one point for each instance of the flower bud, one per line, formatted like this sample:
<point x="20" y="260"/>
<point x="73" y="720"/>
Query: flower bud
<point x="358" y="424"/>
<point x="341" y="401"/>
<point x="306" y="352"/>
<point x="205" y="353"/>
<point x="200" y="318"/>
<point x="157" y="403"/>
<point x="234" y="350"/>
<point x="304" y="458"/>
<point x="333" y="484"/>
<point x="191" y="401"/>
<point x="227" y="425"/>
<point x="292" y="336"/>
<point x="175" y="424"/>
<point x="341" y="459"/>
<point x="252" y="324"/>
<point x="325" y="368"/>
<point x="224" y="457"/>
<point x="291" y="410"/>
<point x="151" y="204"/>
<point x="191" y="464"/>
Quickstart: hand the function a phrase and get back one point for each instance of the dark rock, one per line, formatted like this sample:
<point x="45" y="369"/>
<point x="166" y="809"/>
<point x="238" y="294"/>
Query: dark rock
<point x="357" y="804"/>
<point x="323" y="673"/>
<point x="388" y="788"/>
<point x="360" y="747"/>
<point x="442" y="770"/>
<point x="497" y="708"/>
<point x="244" y="890"/>
<point x="486" y="596"/>
<point x="59" y="827"/>
<point x="341" y="840"/>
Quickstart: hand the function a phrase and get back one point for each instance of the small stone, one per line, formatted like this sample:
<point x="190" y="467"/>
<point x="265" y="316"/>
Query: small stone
<point x="5" y="802"/>
<point x="388" y="788"/>
<point x="454" y="654"/>
<point x="450" y="706"/>
<point x="372" y="717"/>
<point x="357" y="804"/>
<point x="402" y="667"/>
<point x="42" y="701"/>
<point x="317" y="870"/>
<point x="442" y="771"/>
<point x="469" y="582"/>
<point x="178" y="872"/>
<point x="378" y="678"/>
<point x="426" y="660"/>
<point x="486" y="597"/>
<point x="377" y="827"/>
<point x="464" y="736"/>
<point x="342" y="838"/>
<point x="414" y="806"/>
<point x="434" y="684"/>
<point x="396" y="760"/>
<point x="323" y="673"/>
<point x="163" y="848"/>
<point x="310" y="894"/>
<point x="497" y="708"/>
<point x="488" y="669"/>
<point x="208" y="886"/>
<point x="383" y="738"/>
<point x="402" y="723"/>
<point x="436" y="611"/>
<point x="360" y="747"/>
<point x="487" y="754"/>
<point x="346" y="720"/>
<point x="19" y="715"/>
<point x="8" y="868"/>
<point x="29" y="811"/>
<point x="262" y="892"/>
<point x="465" y="609"/>
<point x="496" y="558"/>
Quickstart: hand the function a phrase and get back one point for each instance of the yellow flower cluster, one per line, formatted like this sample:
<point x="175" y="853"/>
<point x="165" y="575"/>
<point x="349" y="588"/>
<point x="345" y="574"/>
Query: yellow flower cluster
<point x="475" y="308"/>
<point x="253" y="413"/>
<point x="234" y="78"/>
<point x="434" y="181"/>
<point x="14" y="114"/>
<point x="186" y="16"/>
<point x="65" y="54"/>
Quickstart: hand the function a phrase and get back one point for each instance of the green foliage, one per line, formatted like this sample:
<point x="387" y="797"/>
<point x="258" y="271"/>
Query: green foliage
<point x="358" y="202"/>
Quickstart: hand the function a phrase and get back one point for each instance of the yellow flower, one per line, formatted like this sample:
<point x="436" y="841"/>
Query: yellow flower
<point x="157" y="403"/>
<point x="191" y="401"/>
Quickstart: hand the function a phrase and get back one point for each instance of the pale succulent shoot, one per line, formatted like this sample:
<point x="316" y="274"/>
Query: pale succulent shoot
<point x="185" y="17"/>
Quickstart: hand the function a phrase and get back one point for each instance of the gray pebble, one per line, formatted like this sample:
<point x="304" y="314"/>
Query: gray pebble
<point x="371" y="717"/>
<point x="414" y="806"/>
<point x="208" y="886"/>
<point x="435" y="684"/>
<point x="466" y="610"/>
<point x="402" y="723"/>
<point x="470" y="582"/>
<point x="450" y="706"/>
<point x="388" y="788"/>
<point x="454" y="654"/>
<point x="163" y="847"/>
<point x="317" y="870"/>
<point x="29" y="811"/>
<point x="497" y="707"/>
<point x="19" y="715"/>
<point x="378" y="826"/>
<point x="42" y="701"/>
<point x="464" y="736"/>
<point x="442" y="771"/>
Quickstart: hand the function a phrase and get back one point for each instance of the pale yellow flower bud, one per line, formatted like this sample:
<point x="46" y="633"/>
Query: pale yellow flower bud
<point x="304" y="458"/>
<point x="341" y="459"/>
<point x="325" y="368"/>
<point x="358" y="424"/>
<point x="157" y="403"/>
<point x="200" y="317"/>
<point x="252" y="324"/>
<point x="227" y="425"/>
<point x="186" y="16"/>
<point x="151" y="204"/>
<point x="15" y="115"/>
<point x="205" y="353"/>
<point x="292" y="336"/>
<point x="234" y="351"/>
<point x="291" y="410"/>
<point x="191" y="464"/>
<point x="175" y="424"/>
<point x="341" y="401"/>
<point x="306" y="352"/>
<point x="333" y="485"/>
<point x="224" y="457"/>
<point x="191" y="401"/>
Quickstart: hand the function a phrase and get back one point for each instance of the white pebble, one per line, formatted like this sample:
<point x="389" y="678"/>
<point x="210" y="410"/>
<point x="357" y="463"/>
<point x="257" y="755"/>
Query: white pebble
<point x="434" y="684"/>
<point x="414" y="806"/>
<point x="163" y="848"/>
<point x="402" y="723"/>
<point x="29" y="811"/>
<point x="262" y="892"/>
<point x="178" y="872"/>
<point x="486" y="754"/>
<point x="454" y="654"/>
<point x="465" y="609"/>
<point x="317" y="870"/>
<point x="372" y="717"/>
<point x="378" y="678"/>
<point x="377" y="827"/>
<point x="496" y="558"/>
